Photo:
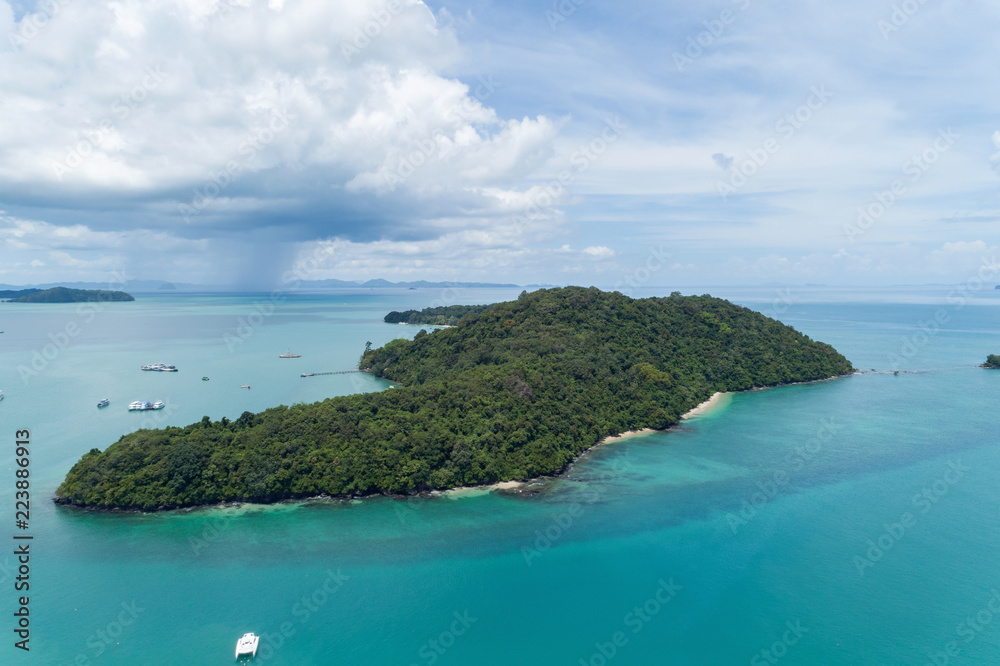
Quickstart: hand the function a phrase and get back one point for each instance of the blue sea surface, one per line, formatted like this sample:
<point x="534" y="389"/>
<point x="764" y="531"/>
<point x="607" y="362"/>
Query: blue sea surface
<point x="851" y="521"/>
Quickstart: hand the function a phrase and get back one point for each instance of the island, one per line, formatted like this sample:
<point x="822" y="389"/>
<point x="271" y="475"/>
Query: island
<point x="66" y="295"/>
<point x="447" y="315"/>
<point x="516" y="391"/>
<point x="992" y="362"/>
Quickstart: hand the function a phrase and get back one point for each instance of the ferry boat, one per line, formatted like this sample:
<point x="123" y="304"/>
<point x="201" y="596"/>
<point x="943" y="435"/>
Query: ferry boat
<point x="247" y="645"/>
<point x="289" y="354"/>
<point x="104" y="402"/>
<point x="159" y="367"/>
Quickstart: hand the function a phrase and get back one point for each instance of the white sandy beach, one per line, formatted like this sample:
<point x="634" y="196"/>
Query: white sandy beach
<point x="715" y="401"/>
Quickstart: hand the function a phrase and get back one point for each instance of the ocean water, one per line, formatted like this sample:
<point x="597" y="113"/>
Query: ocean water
<point x="851" y="521"/>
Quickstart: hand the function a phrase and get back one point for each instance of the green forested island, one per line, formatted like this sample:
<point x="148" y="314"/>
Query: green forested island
<point x="517" y="390"/>
<point x="66" y="295"/>
<point x="992" y="362"/>
<point x="447" y="315"/>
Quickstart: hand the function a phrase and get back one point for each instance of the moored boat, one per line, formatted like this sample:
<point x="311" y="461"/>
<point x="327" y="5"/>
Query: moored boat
<point x="159" y="367"/>
<point x="104" y="402"/>
<point x="247" y="645"/>
<point x="143" y="405"/>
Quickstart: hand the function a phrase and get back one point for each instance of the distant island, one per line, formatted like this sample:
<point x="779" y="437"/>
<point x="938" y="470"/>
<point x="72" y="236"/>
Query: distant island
<point x="66" y="295"/>
<point x="16" y="293"/>
<point x="515" y="391"/>
<point x="447" y="315"/>
<point x="992" y="362"/>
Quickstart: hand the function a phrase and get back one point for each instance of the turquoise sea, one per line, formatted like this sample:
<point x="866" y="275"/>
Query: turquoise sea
<point x="852" y="521"/>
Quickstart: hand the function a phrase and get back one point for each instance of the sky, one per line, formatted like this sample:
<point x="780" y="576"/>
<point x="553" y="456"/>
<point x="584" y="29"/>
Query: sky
<point x="737" y="142"/>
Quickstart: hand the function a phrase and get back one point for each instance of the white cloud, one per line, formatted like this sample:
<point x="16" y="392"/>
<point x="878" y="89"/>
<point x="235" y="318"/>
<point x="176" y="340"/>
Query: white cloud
<point x="599" y="251"/>
<point x="153" y="96"/>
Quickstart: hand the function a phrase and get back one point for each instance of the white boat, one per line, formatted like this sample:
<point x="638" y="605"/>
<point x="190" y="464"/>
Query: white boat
<point x="159" y="367"/>
<point x="1" y="395"/>
<point x="142" y="405"/>
<point x="103" y="402"/>
<point x="289" y="354"/>
<point x="247" y="645"/>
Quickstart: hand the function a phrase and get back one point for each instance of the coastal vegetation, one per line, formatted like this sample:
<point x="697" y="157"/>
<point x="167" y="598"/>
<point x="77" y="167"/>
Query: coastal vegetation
<point x="447" y="315"/>
<point x="992" y="362"/>
<point x="516" y="390"/>
<point x="66" y="295"/>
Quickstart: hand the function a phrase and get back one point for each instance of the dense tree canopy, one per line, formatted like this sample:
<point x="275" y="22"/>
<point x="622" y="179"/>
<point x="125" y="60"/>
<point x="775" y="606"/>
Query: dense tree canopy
<point x="992" y="361"/>
<point x="447" y="315"/>
<point x="516" y="390"/>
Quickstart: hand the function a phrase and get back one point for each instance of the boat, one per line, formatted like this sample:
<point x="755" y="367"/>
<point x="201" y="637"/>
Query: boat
<point x="103" y="403"/>
<point x="204" y="379"/>
<point x="142" y="405"/>
<point x="159" y="367"/>
<point x="289" y="354"/>
<point x="247" y="645"/>
<point x="1" y="395"/>
<point x="246" y="386"/>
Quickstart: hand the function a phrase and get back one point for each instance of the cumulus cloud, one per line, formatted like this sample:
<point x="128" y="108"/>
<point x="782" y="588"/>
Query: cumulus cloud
<point x="199" y="113"/>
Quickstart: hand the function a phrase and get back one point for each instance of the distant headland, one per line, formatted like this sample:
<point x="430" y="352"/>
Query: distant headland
<point x="63" y="295"/>
<point x="992" y="362"/>
<point x="512" y="392"/>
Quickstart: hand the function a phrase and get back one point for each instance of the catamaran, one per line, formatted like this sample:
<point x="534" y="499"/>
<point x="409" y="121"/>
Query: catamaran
<point x="247" y="645"/>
